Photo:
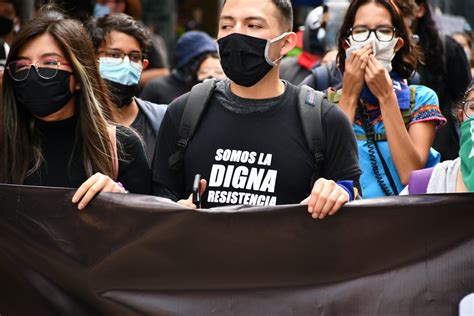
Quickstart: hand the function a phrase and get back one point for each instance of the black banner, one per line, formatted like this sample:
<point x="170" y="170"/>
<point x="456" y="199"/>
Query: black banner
<point x="142" y="255"/>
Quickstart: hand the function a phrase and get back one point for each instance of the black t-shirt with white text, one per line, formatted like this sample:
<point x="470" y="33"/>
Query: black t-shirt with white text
<point x="253" y="152"/>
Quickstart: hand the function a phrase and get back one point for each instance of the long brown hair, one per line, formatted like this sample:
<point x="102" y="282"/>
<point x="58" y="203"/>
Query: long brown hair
<point x="405" y="60"/>
<point x="20" y="150"/>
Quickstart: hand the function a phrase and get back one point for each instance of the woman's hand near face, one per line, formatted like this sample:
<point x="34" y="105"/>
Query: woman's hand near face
<point x="354" y="70"/>
<point x="93" y="186"/>
<point x="378" y="79"/>
<point x="353" y="80"/>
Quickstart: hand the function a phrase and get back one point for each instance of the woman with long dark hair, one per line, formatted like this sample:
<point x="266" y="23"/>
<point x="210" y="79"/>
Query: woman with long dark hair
<point x="445" y="69"/>
<point x="54" y="128"/>
<point x="394" y="123"/>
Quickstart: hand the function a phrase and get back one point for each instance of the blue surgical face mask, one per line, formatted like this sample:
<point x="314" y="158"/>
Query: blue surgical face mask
<point x="126" y="72"/>
<point x="101" y="10"/>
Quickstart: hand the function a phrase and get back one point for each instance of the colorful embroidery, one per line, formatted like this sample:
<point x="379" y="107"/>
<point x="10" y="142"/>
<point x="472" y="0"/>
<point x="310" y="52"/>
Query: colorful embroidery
<point x="428" y="113"/>
<point x="422" y="114"/>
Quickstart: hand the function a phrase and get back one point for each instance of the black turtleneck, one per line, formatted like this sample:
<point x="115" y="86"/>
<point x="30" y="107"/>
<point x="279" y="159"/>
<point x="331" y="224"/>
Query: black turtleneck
<point x="64" y="165"/>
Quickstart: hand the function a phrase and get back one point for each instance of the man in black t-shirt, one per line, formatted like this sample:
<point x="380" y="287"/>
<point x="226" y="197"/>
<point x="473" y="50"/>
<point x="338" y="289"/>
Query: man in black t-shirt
<point x="249" y="144"/>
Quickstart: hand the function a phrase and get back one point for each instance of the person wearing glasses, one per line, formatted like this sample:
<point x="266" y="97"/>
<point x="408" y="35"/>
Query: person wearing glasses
<point x="394" y="123"/>
<point x="120" y="44"/>
<point x="209" y="68"/>
<point x="54" y="128"/>
<point x="190" y="49"/>
<point x="451" y="175"/>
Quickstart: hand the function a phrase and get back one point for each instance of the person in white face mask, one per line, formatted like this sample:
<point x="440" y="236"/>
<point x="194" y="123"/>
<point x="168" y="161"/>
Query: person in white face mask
<point x="394" y="123"/>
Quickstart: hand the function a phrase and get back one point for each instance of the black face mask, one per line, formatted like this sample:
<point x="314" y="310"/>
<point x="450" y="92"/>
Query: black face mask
<point x="245" y="59"/>
<point x="122" y="94"/>
<point x="43" y="97"/>
<point x="6" y="25"/>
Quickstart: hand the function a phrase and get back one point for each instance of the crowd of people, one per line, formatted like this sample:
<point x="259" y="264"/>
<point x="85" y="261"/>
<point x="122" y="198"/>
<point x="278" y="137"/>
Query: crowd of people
<point x="391" y="112"/>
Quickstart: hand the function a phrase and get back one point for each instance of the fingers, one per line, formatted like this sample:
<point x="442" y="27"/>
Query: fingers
<point x="314" y="196"/>
<point x="326" y="198"/>
<point x="371" y="65"/>
<point x="92" y="186"/>
<point x="359" y="58"/>
<point x="202" y="186"/>
<point x="341" y="200"/>
<point x="93" y="189"/>
<point x="377" y="77"/>
<point x="188" y="202"/>
<point x="375" y="66"/>
<point x="84" y="188"/>
<point x="305" y="201"/>
<point x="360" y="52"/>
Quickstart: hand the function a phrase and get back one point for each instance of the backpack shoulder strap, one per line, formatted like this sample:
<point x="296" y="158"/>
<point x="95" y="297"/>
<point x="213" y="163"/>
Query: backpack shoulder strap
<point x="193" y="109"/>
<point x="334" y="96"/>
<point x="309" y="107"/>
<point x="320" y="77"/>
<point x="419" y="179"/>
<point x="112" y="129"/>
<point x="406" y="114"/>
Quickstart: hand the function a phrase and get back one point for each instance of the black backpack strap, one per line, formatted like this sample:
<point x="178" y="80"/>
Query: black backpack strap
<point x="309" y="106"/>
<point x="193" y="109"/>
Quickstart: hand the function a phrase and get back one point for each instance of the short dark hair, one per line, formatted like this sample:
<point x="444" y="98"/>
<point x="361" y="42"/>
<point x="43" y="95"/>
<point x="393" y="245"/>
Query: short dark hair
<point x="285" y="9"/>
<point x="405" y="60"/>
<point x="100" y="28"/>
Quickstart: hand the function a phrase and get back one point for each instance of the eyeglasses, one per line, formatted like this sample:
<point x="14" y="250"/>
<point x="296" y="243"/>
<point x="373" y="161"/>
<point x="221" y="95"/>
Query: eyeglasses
<point x="362" y="33"/>
<point x="46" y="68"/>
<point x="468" y="108"/>
<point x="116" y="57"/>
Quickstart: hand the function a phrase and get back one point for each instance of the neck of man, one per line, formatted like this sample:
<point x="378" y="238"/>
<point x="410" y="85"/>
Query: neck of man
<point x="268" y="87"/>
<point x="126" y="115"/>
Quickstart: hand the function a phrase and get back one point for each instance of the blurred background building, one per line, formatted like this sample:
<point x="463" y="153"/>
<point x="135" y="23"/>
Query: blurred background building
<point x="171" y="18"/>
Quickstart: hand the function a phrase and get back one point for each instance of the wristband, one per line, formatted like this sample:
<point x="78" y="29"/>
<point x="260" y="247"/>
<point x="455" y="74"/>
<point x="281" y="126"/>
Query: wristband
<point x="348" y="186"/>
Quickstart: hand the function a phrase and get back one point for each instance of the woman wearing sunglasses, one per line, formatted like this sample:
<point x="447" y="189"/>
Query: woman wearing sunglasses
<point x="54" y="128"/>
<point x="394" y="123"/>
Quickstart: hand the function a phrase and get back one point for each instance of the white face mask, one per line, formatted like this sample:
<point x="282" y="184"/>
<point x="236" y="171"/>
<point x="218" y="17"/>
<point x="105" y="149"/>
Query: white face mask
<point x="384" y="52"/>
